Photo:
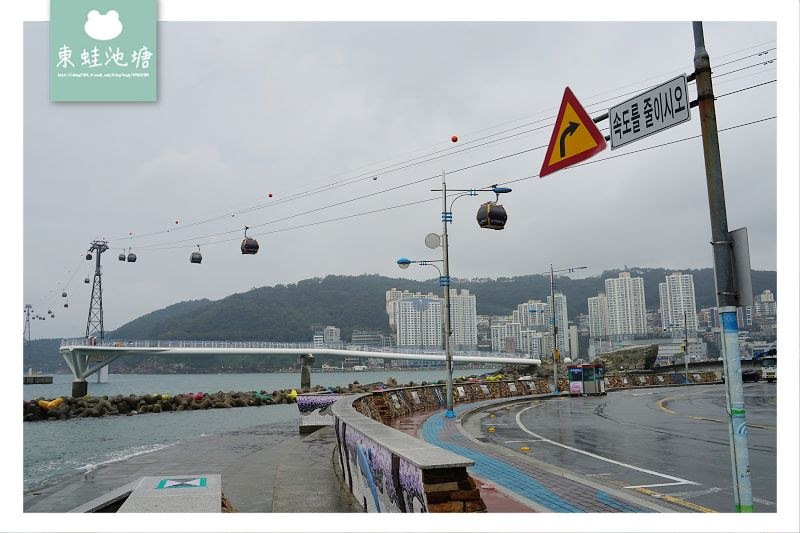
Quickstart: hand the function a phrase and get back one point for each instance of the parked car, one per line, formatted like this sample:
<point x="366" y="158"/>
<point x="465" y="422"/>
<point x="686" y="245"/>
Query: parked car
<point x="747" y="375"/>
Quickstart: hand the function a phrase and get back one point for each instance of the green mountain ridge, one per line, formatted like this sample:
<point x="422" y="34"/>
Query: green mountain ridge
<point x="288" y="313"/>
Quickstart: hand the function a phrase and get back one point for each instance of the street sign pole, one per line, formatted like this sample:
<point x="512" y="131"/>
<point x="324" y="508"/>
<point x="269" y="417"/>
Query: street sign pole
<point x="723" y="275"/>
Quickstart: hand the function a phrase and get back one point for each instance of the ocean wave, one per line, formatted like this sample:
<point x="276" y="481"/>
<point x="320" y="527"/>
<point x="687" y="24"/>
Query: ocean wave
<point x="123" y="455"/>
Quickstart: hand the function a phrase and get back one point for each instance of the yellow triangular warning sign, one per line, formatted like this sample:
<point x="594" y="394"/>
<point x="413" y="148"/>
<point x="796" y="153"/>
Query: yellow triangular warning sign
<point x="575" y="137"/>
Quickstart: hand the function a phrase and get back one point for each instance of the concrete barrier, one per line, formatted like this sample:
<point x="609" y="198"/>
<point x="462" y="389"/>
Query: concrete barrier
<point x="387" y="470"/>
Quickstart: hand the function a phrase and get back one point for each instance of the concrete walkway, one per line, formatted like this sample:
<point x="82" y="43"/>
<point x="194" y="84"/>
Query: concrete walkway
<point x="263" y="469"/>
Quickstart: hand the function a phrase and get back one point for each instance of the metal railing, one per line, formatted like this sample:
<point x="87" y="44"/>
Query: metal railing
<point x="220" y="344"/>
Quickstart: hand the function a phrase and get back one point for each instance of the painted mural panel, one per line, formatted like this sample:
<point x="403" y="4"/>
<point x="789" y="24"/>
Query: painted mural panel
<point x="315" y="409"/>
<point x="380" y="480"/>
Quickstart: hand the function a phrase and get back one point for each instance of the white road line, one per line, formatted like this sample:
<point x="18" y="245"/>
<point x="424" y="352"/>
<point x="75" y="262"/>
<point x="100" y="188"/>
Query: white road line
<point x="692" y="493"/>
<point x="764" y="502"/>
<point x="657" y="485"/>
<point x="612" y="461"/>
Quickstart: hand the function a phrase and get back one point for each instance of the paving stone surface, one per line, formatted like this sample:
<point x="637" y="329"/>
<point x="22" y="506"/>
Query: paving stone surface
<point x="542" y="487"/>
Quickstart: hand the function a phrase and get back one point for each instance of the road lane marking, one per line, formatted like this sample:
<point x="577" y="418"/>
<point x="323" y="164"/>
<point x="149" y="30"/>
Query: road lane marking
<point x="677" y="501"/>
<point x="692" y="493"/>
<point x="655" y="485"/>
<point x="600" y="457"/>
<point x="764" y="502"/>
<point x="660" y="405"/>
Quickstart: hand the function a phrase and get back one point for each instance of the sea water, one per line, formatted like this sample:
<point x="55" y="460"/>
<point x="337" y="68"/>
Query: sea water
<point x="57" y="450"/>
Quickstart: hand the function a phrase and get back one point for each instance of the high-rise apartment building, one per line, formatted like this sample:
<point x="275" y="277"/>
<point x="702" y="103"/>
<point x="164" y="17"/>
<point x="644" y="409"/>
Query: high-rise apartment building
<point x="562" y="336"/>
<point x="533" y="314"/>
<point x="626" y="307"/>
<point x="418" y="320"/>
<point x="415" y="326"/>
<point x="598" y="316"/>
<point x="463" y="319"/>
<point x="676" y="297"/>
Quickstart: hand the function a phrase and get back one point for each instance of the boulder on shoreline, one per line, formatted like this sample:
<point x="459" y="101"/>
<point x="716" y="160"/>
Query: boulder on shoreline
<point x="62" y="408"/>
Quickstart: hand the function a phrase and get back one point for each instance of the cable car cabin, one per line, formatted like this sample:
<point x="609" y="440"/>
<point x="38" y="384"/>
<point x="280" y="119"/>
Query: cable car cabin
<point x="66" y="305"/>
<point x="122" y="256"/>
<point x="131" y="257"/>
<point x="88" y="257"/>
<point x="492" y="216"/>
<point x="587" y="378"/>
<point x="64" y="294"/>
<point x="249" y="246"/>
<point x="86" y="280"/>
<point x="195" y="258"/>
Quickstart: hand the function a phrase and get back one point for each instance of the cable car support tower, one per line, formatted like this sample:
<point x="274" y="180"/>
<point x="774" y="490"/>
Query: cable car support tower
<point x="84" y="364"/>
<point x="94" y="323"/>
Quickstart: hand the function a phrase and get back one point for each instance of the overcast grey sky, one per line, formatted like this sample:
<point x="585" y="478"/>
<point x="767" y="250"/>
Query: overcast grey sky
<point x="248" y="109"/>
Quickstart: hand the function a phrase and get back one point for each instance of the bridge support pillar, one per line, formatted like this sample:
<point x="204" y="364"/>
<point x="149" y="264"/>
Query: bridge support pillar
<point x="305" y="370"/>
<point x="80" y="388"/>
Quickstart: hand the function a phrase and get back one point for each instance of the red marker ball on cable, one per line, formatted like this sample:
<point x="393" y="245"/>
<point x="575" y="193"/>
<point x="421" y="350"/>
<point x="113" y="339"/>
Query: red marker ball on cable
<point x="454" y="138"/>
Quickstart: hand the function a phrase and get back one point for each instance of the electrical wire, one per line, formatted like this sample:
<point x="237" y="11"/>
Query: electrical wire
<point x="508" y="182"/>
<point x="417" y="160"/>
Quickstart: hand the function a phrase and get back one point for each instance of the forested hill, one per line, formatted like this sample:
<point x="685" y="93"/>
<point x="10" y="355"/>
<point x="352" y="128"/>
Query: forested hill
<point x="289" y="312"/>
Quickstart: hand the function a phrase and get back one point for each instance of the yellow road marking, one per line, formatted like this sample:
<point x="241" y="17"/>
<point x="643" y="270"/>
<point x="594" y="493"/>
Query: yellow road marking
<point x="660" y="405"/>
<point x="676" y="500"/>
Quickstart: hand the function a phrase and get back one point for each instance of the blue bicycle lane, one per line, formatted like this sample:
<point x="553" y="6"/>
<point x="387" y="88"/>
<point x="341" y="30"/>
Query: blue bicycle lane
<point x="551" y="491"/>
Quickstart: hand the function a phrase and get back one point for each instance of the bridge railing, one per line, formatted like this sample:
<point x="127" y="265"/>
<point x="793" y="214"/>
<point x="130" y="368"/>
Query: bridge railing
<point x="161" y="343"/>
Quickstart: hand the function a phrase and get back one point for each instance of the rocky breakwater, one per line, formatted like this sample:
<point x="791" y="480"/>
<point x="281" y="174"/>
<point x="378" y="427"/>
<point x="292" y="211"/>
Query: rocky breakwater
<point x="88" y="406"/>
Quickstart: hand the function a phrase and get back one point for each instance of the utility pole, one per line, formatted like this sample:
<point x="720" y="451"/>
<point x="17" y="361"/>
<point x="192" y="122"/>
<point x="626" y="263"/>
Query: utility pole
<point x="555" y="330"/>
<point x="727" y="295"/>
<point x="685" y="347"/>
<point x="555" y="327"/>
<point x="447" y="216"/>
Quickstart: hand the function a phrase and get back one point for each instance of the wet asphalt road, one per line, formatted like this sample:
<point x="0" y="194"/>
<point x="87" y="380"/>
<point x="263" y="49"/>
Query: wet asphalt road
<point x="667" y="442"/>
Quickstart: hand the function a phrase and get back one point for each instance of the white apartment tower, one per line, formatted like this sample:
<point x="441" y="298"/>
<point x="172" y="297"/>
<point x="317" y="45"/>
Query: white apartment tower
<point x="415" y="323"/>
<point x="561" y="322"/>
<point x="418" y="320"/>
<point x="532" y="314"/>
<point x="676" y="297"/>
<point x="598" y="316"/>
<point x="626" y="309"/>
<point x="463" y="319"/>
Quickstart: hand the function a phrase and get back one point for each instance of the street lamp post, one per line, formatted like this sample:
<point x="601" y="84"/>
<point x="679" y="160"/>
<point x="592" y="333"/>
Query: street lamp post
<point x="685" y="347"/>
<point x="493" y="218"/>
<point x="555" y="327"/>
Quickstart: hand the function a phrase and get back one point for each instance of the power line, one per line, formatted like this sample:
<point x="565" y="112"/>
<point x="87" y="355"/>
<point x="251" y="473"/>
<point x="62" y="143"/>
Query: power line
<point x="402" y="165"/>
<point x="164" y="247"/>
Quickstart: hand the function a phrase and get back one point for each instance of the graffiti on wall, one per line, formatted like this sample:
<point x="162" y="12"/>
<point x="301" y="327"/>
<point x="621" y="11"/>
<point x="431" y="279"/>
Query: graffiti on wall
<point x="315" y="409"/>
<point x="380" y="480"/>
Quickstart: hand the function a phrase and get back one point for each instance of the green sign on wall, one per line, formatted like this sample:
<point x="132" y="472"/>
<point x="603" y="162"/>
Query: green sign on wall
<point x="103" y="50"/>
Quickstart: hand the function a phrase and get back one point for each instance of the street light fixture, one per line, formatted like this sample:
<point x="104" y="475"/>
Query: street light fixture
<point x="555" y="328"/>
<point x="491" y="215"/>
